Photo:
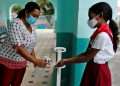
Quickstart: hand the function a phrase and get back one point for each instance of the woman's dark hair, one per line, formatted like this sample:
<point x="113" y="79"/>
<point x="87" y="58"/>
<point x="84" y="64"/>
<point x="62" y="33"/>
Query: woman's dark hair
<point x="103" y="9"/>
<point x="21" y="14"/>
<point x="29" y="7"/>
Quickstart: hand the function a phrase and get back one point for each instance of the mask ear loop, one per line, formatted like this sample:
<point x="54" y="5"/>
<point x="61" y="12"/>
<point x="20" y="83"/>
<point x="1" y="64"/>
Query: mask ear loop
<point x="99" y="16"/>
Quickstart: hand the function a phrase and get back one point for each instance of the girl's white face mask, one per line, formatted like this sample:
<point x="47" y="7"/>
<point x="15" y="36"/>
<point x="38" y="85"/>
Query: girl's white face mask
<point x="93" y="22"/>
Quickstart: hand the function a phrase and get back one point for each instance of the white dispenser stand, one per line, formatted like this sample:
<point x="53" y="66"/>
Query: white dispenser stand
<point x="59" y="51"/>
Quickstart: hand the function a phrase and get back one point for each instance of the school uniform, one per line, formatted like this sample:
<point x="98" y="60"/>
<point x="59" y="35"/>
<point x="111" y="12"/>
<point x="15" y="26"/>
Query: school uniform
<point x="97" y="71"/>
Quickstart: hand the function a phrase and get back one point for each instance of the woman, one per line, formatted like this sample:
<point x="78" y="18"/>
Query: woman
<point x="102" y="47"/>
<point x="18" y="48"/>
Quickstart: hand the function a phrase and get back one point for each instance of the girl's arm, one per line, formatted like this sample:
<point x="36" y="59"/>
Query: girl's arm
<point x="80" y="58"/>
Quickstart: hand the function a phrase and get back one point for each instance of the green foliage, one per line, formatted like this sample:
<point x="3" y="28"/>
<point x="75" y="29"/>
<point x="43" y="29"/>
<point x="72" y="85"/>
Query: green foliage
<point x="16" y="8"/>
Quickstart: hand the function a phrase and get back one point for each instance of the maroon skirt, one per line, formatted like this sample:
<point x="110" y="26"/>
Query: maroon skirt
<point x="96" y="75"/>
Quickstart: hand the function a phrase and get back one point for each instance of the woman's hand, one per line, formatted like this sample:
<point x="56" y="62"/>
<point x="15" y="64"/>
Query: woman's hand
<point x="40" y="63"/>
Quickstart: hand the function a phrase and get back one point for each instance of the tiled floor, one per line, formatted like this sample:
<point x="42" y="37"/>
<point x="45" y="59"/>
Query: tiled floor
<point x="115" y="69"/>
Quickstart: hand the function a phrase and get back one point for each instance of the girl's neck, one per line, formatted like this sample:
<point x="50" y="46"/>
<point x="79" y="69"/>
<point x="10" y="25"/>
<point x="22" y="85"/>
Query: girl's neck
<point x="101" y="22"/>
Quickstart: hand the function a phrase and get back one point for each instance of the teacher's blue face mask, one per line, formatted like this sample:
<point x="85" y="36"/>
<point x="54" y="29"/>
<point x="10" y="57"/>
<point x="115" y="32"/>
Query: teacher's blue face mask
<point x="31" y="20"/>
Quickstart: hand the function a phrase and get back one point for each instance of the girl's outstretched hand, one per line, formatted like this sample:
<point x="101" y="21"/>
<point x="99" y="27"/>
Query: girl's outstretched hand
<point x="60" y="63"/>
